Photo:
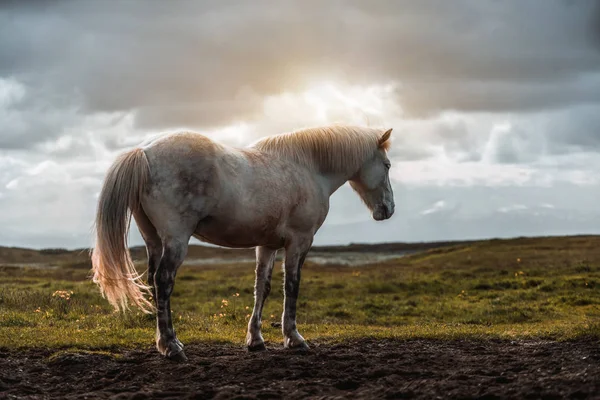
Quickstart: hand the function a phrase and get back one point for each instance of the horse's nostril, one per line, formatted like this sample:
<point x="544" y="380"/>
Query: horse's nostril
<point x="385" y="211"/>
<point x="389" y="210"/>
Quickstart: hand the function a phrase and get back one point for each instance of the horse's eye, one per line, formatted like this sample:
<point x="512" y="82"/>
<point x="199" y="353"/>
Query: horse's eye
<point x="388" y="165"/>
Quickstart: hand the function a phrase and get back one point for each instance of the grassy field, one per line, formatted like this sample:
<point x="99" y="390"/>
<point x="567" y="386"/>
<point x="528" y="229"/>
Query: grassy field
<point x="521" y="288"/>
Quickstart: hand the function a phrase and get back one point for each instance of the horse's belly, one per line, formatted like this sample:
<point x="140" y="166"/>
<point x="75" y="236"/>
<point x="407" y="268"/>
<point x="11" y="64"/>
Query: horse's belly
<point x="239" y="234"/>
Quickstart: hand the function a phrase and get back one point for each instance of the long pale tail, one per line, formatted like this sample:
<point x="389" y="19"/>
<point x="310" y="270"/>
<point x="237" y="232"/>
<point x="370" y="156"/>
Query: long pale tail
<point x="112" y="266"/>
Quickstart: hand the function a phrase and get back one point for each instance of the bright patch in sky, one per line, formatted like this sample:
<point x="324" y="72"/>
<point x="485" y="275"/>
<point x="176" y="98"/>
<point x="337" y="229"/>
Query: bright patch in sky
<point x="327" y="102"/>
<point x="330" y="100"/>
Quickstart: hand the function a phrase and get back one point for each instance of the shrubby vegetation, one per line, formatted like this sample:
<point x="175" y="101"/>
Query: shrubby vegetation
<point x="546" y="288"/>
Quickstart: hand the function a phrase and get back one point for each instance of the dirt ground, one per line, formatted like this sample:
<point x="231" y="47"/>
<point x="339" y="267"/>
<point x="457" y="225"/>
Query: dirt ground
<point x="361" y="369"/>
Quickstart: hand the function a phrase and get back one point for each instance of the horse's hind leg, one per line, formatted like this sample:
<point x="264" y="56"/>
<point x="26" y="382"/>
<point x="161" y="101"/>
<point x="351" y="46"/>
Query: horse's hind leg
<point x="154" y="245"/>
<point x="174" y="252"/>
<point x="265" y="259"/>
<point x="154" y="248"/>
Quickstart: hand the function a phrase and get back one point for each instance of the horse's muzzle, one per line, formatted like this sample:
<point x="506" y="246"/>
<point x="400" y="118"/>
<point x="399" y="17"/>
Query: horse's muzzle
<point x="383" y="212"/>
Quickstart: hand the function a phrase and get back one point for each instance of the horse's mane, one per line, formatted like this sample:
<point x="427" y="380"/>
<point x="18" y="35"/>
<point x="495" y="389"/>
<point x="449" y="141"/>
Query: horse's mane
<point x="328" y="149"/>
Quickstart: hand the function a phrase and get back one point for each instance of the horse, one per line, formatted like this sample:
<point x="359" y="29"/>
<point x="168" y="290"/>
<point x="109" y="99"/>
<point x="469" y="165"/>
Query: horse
<point x="273" y="194"/>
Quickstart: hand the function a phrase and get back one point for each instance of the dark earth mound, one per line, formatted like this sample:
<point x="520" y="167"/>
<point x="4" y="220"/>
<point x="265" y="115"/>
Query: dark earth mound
<point x="361" y="369"/>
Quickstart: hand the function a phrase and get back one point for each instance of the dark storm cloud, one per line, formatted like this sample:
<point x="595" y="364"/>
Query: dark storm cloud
<point x="213" y="113"/>
<point x="594" y="25"/>
<point x="192" y="63"/>
<point x="575" y="130"/>
<point x="423" y="99"/>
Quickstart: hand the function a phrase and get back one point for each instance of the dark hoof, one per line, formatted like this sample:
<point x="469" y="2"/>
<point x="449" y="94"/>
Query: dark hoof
<point x="300" y="347"/>
<point x="257" y="347"/>
<point x="178" y="357"/>
<point x="175" y="352"/>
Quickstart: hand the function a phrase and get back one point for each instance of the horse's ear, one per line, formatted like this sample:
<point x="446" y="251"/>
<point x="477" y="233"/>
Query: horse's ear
<point x="384" y="139"/>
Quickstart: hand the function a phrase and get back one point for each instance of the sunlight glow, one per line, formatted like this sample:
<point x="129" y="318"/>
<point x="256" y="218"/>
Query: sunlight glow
<point x="330" y="100"/>
<point x="236" y="134"/>
<point x="326" y="102"/>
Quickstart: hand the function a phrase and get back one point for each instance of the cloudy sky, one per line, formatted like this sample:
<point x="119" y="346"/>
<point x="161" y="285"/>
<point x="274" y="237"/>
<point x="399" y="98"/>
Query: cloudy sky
<point x="495" y="105"/>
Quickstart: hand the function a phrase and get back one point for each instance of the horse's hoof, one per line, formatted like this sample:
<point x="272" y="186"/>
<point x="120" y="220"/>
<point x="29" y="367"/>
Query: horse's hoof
<point x="178" y="357"/>
<point x="300" y="347"/>
<point x="257" y="347"/>
<point x="173" y="351"/>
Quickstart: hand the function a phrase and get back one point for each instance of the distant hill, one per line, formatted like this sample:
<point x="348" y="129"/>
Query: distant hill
<point x="17" y="255"/>
<point x="80" y="257"/>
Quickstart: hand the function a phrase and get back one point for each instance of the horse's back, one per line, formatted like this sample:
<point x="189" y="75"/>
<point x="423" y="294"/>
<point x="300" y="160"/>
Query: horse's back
<point x="183" y="145"/>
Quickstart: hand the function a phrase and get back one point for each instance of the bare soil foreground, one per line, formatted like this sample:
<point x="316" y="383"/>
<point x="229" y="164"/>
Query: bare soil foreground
<point x="362" y="369"/>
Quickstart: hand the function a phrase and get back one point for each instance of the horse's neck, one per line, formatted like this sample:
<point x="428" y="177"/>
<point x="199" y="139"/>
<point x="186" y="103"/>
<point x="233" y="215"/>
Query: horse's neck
<point x="331" y="182"/>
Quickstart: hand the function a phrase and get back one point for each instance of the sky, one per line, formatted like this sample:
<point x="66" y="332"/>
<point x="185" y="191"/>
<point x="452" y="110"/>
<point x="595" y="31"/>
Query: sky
<point x="494" y="105"/>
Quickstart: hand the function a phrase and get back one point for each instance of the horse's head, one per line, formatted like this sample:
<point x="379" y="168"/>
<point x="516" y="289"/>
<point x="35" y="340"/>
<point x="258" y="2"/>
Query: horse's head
<point x="372" y="181"/>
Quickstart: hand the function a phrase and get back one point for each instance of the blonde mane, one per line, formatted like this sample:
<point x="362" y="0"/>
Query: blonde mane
<point x="327" y="149"/>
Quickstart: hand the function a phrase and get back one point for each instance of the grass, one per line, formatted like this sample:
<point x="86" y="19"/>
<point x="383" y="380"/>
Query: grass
<point x="523" y="288"/>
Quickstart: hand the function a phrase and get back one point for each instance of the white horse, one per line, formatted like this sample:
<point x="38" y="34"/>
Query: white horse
<point x="271" y="195"/>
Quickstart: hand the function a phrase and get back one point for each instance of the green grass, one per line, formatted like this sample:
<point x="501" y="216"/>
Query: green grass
<point x="523" y="288"/>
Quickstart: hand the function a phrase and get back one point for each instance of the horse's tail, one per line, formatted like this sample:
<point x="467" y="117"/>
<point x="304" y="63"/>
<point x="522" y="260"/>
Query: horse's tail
<point x="112" y="266"/>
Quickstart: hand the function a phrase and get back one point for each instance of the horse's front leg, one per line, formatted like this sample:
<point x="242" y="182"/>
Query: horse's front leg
<point x="265" y="259"/>
<point x="295" y="253"/>
<point x="164" y="280"/>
